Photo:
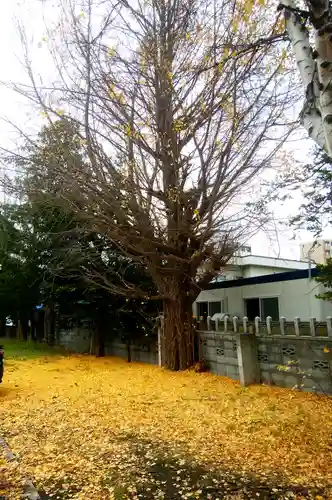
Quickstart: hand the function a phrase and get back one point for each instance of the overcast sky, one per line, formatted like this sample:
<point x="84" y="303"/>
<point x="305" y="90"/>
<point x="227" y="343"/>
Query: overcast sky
<point x="272" y="241"/>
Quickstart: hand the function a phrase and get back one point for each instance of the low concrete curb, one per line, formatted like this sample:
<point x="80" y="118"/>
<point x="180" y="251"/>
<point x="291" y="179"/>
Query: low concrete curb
<point x="29" y="490"/>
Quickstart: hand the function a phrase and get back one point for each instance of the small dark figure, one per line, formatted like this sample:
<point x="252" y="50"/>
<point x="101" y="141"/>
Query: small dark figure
<point x="2" y="353"/>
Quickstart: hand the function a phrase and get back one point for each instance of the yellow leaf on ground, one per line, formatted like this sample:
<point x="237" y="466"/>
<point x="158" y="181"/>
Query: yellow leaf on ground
<point x="75" y="421"/>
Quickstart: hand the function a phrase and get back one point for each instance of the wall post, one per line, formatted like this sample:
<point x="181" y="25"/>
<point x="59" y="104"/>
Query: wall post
<point x="329" y="326"/>
<point x="247" y="357"/>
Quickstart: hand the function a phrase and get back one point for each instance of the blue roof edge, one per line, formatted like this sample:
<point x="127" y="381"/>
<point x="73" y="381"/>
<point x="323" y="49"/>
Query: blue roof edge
<point x="266" y="278"/>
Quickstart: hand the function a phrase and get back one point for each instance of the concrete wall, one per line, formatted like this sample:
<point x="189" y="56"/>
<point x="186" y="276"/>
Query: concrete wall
<point x="142" y="353"/>
<point x="244" y="357"/>
<point x="76" y="339"/>
<point x="220" y="353"/>
<point x="309" y="366"/>
<point x="298" y="363"/>
<point x="296" y="298"/>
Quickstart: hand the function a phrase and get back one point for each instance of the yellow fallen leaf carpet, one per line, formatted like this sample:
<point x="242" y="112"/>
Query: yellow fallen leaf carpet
<point x="105" y="429"/>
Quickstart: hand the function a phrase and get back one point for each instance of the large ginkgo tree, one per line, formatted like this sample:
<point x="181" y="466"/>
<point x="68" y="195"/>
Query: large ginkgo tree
<point x="180" y="106"/>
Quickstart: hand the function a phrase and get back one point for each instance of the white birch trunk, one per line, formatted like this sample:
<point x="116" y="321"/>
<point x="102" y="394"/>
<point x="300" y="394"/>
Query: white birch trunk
<point x="324" y="68"/>
<point x="316" y="74"/>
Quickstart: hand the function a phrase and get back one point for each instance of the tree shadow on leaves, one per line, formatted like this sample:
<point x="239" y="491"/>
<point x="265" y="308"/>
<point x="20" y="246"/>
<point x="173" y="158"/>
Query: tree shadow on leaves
<point x="172" y="477"/>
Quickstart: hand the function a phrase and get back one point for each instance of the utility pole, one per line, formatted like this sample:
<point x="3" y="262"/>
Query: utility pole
<point x="310" y="260"/>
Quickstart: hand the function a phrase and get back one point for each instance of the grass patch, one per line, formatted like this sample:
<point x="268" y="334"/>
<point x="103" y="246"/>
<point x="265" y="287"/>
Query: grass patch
<point x="21" y="351"/>
<point x="104" y="429"/>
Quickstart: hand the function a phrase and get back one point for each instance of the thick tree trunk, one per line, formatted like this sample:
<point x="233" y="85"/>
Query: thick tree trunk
<point x="19" y="331"/>
<point x="128" y="344"/>
<point x="100" y="345"/>
<point x="24" y="326"/>
<point x="33" y="327"/>
<point x="99" y="339"/>
<point x="57" y="335"/>
<point x="49" y="324"/>
<point x="179" y="332"/>
<point x="3" y="327"/>
<point x="39" y="331"/>
<point x="92" y="342"/>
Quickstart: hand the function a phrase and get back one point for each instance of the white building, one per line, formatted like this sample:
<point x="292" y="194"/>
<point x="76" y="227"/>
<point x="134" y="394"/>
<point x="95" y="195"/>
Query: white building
<point x="255" y="265"/>
<point x="262" y="286"/>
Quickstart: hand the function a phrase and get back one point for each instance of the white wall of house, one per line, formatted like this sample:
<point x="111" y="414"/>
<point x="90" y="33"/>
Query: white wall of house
<point x="255" y="265"/>
<point x="257" y="270"/>
<point x="296" y="298"/>
<point x="249" y="271"/>
<point x="272" y="262"/>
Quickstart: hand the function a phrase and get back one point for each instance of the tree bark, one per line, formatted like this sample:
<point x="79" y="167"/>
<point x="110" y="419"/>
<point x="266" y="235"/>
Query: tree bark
<point x="179" y="331"/>
<point x="100" y="339"/>
<point x="315" y="70"/>
<point x="128" y="344"/>
<point x="39" y="326"/>
<point x="19" y="332"/>
<point x="57" y="332"/>
<point x="33" y="327"/>
<point x="24" y="327"/>
<point x="49" y="324"/>
<point x="3" y="327"/>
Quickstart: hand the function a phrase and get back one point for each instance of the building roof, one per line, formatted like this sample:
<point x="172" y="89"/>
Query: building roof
<point x="263" y="261"/>
<point x="266" y="278"/>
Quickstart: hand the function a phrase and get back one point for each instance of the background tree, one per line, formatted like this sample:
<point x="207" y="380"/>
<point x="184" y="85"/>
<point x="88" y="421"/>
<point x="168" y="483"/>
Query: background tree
<point x="314" y="179"/>
<point x="19" y="279"/>
<point x="175" y="104"/>
<point x="47" y="256"/>
<point x="325" y="278"/>
<point x="78" y="251"/>
<point x="38" y="267"/>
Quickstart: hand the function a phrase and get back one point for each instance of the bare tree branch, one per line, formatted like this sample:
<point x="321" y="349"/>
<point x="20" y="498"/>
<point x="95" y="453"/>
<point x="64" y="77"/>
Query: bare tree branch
<point x="177" y="117"/>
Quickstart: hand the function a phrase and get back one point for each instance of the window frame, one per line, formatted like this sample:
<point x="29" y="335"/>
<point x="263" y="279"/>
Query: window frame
<point x="260" y="298"/>
<point x="208" y="302"/>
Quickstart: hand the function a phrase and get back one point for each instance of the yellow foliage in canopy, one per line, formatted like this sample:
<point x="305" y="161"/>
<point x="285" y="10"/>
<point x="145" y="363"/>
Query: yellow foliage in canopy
<point x="115" y="95"/>
<point x="178" y="125"/>
<point x="111" y="52"/>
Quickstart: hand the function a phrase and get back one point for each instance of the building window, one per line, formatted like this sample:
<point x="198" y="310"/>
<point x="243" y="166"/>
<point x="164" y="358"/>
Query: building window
<point x="262" y="307"/>
<point x="209" y="308"/>
<point x="252" y="308"/>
